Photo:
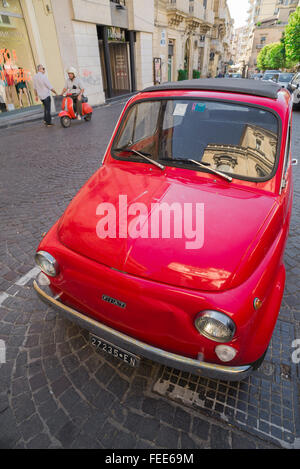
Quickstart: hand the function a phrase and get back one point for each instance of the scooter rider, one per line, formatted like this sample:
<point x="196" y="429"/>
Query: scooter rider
<point x="74" y="86"/>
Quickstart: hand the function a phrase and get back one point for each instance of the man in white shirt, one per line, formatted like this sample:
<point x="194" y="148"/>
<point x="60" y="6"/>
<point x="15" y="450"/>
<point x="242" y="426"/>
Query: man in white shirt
<point x="42" y="89"/>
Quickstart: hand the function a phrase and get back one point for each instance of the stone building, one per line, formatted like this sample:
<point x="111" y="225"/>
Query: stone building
<point x="221" y="38"/>
<point x="270" y="30"/>
<point x="181" y="38"/>
<point x="117" y="46"/>
<point x="265" y="24"/>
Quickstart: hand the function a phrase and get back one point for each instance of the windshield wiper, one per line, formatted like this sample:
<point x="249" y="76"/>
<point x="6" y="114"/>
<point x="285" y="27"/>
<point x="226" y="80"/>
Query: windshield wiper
<point x="142" y="155"/>
<point x="202" y="165"/>
<point x="212" y="170"/>
<point x="183" y="160"/>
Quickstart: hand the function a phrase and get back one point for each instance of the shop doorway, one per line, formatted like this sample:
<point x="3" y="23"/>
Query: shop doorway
<point x="116" y="47"/>
<point x="119" y="68"/>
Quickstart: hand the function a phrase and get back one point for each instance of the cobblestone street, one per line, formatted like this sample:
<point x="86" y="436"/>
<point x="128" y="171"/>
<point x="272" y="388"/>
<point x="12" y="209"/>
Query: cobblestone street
<point x="56" y="391"/>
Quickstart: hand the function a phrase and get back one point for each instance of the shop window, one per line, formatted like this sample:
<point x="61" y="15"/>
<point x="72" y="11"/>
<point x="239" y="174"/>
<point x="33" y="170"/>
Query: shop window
<point x="16" y="62"/>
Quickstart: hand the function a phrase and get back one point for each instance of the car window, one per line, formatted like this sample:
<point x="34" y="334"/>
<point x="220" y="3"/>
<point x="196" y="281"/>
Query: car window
<point x="141" y="123"/>
<point x="285" y="77"/>
<point x="234" y="138"/>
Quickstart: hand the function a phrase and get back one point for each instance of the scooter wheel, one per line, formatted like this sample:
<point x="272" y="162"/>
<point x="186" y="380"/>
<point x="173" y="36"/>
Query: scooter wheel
<point x="65" y="121"/>
<point x="88" y="117"/>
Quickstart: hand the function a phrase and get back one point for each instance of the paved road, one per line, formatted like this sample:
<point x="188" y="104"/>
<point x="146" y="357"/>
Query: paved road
<point x="55" y="391"/>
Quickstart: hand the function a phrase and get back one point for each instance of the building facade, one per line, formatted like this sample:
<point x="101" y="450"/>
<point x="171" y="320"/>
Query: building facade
<point x="108" y="42"/>
<point x="181" y="38"/>
<point x="221" y="39"/>
<point x="266" y="22"/>
<point x="117" y="46"/>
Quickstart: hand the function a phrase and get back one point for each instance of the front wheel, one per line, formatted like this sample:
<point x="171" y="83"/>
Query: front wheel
<point x="88" y="117"/>
<point x="65" y="121"/>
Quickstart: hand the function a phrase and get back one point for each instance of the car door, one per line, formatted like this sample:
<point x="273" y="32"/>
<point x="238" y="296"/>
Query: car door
<point x="286" y="190"/>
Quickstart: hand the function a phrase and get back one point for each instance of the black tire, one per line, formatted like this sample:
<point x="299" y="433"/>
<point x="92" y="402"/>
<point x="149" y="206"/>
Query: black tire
<point x="88" y="117"/>
<point x="296" y="107"/>
<point x="65" y="121"/>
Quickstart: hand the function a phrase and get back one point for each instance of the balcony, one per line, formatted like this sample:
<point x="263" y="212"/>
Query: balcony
<point x="221" y="14"/>
<point x="177" y="11"/>
<point x="196" y="10"/>
<point x="179" y="6"/>
<point x="209" y="17"/>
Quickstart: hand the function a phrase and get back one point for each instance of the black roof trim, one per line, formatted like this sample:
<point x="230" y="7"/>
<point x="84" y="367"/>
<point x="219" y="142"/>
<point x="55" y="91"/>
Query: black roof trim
<point x="230" y="85"/>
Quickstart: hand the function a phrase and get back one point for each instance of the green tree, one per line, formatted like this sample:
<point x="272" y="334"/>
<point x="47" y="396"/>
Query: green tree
<point x="262" y="56"/>
<point x="272" y="56"/>
<point x="292" y="37"/>
<point x="275" y="57"/>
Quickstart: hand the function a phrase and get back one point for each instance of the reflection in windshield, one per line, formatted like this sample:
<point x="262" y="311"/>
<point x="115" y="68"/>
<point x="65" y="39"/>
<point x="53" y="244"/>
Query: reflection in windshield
<point x="231" y="138"/>
<point x="253" y="157"/>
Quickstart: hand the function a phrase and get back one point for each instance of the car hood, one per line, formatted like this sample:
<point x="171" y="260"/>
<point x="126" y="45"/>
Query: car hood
<point x="214" y="226"/>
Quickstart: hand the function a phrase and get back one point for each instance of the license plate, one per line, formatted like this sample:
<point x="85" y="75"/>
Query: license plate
<point x="104" y="346"/>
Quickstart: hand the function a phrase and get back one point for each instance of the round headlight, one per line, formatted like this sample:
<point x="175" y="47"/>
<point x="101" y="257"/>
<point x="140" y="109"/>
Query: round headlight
<point x="215" y="326"/>
<point x="47" y="263"/>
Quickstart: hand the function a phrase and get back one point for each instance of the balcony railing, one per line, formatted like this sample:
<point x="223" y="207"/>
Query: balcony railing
<point x="180" y="6"/>
<point x="197" y="10"/>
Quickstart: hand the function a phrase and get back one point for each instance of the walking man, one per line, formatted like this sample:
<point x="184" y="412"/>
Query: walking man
<point x="42" y="89"/>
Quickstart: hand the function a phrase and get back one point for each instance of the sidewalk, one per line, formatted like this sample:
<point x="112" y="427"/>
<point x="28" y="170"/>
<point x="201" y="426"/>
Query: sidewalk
<point x="35" y="113"/>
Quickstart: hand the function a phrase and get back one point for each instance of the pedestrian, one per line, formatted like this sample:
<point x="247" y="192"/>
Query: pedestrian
<point x="42" y="90"/>
<point x="74" y="86"/>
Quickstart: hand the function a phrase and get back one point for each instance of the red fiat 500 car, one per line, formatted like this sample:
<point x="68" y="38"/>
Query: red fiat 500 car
<point x="173" y="250"/>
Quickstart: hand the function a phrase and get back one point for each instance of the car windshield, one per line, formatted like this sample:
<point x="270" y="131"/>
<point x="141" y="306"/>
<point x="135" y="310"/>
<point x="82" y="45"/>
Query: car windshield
<point x="232" y="138"/>
<point x="269" y="76"/>
<point x="285" y="77"/>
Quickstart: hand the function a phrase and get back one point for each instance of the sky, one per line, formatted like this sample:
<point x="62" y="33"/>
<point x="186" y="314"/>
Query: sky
<point x="238" y="10"/>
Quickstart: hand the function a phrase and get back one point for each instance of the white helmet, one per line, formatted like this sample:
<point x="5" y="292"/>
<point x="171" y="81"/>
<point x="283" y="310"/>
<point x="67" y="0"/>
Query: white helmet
<point x="72" y="70"/>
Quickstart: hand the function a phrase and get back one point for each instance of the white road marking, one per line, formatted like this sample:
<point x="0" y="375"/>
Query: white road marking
<point x="20" y="283"/>
<point x="25" y="279"/>
<point x="3" y="297"/>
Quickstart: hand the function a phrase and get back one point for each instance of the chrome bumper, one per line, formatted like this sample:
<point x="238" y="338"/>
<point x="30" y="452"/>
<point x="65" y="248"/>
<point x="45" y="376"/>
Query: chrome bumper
<point x="225" y="373"/>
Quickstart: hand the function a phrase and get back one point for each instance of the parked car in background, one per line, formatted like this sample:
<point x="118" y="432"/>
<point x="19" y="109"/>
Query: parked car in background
<point x="236" y="75"/>
<point x="271" y="75"/>
<point x="284" y="79"/>
<point x="173" y="250"/>
<point x="257" y="76"/>
<point x="296" y="91"/>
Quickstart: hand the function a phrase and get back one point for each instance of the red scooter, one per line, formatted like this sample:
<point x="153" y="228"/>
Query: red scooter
<point x="68" y="114"/>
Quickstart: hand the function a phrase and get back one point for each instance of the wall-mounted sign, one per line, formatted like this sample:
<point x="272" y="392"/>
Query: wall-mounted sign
<point x="157" y="70"/>
<point x="163" y="38"/>
<point x="116" y="34"/>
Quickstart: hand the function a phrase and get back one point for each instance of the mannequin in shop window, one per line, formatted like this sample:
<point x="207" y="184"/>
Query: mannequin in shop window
<point x="3" y="85"/>
<point x="21" y="87"/>
<point x="9" y="71"/>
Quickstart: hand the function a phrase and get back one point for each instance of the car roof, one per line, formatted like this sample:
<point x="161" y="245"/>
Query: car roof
<point x="244" y="86"/>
